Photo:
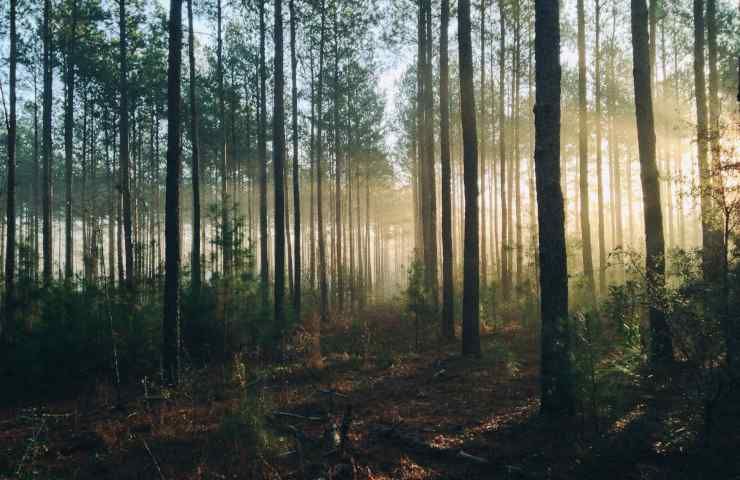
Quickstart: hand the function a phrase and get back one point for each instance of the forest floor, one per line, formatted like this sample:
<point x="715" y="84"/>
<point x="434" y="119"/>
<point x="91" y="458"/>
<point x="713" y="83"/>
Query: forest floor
<point x="428" y="415"/>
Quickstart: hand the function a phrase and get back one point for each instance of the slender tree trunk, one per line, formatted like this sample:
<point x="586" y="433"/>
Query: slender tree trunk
<point x="517" y="152"/>
<point x="428" y="198"/>
<point x="124" y="148"/>
<point x="195" y="266"/>
<point x="653" y="22"/>
<point x="69" y="92"/>
<point x="505" y="272"/>
<point x="262" y="158"/>
<point x="47" y="146"/>
<point x="471" y="334"/>
<point x="448" y="308"/>
<point x="599" y="175"/>
<point x="111" y="199"/>
<point x="312" y="176"/>
<point x="35" y="186"/>
<point x="715" y="148"/>
<point x="296" y="167"/>
<point x="661" y="349"/>
<point x="171" y="323"/>
<point x="588" y="267"/>
<point x="707" y="229"/>
<point x="278" y="163"/>
<point x="323" y="284"/>
<point x="483" y="150"/>
<point x="226" y="231"/>
<point x="7" y="323"/>
<point x="556" y="387"/>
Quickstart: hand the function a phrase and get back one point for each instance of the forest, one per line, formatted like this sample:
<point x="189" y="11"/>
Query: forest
<point x="370" y="239"/>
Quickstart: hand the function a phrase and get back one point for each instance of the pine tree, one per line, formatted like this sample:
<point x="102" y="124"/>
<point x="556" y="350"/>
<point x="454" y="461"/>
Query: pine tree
<point x="556" y="387"/>
<point x="171" y="323"/>
<point x="660" y="339"/>
<point x="448" y="309"/>
<point x="278" y="164"/>
<point x="471" y="280"/>
<point x="10" y="247"/>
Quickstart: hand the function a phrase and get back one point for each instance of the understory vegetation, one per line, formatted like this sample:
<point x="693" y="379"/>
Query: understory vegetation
<point x="369" y="239"/>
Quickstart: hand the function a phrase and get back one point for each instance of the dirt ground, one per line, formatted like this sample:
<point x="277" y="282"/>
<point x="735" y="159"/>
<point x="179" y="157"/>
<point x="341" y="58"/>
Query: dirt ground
<point x="429" y="415"/>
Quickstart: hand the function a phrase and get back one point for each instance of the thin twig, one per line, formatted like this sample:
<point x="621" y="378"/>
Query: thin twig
<point x="154" y="459"/>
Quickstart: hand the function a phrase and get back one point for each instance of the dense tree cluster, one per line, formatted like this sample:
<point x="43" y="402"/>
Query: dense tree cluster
<point x="259" y="173"/>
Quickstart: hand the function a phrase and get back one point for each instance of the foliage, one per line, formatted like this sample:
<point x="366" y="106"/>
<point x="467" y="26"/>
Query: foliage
<point x="65" y="338"/>
<point x="420" y="305"/>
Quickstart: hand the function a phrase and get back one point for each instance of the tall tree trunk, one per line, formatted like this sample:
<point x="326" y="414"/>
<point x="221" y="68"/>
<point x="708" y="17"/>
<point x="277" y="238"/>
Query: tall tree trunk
<point x="35" y="185"/>
<point x="661" y="348"/>
<point x="517" y="152"/>
<point x="226" y="231"/>
<point x="171" y="323"/>
<point x="556" y="387"/>
<point x="653" y="21"/>
<point x="312" y="176"/>
<point x="10" y="174"/>
<point x="337" y="171"/>
<point x="715" y="148"/>
<point x="124" y="148"/>
<point x="195" y="269"/>
<point x="471" y="334"/>
<point x="505" y="272"/>
<point x="483" y="150"/>
<point x="278" y="164"/>
<point x="426" y="159"/>
<point x="599" y="176"/>
<point x="323" y="285"/>
<point x="47" y="153"/>
<point x="707" y="228"/>
<point x="588" y="266"/>
<point x="69" y="95"/>
<point x="448" y="308"/>
<point x="296" y="168"/>
<point x="262" y="158"/>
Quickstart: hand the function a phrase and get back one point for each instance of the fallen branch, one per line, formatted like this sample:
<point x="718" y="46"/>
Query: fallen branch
<point x="417" y="444"/>
<point x="466" y="456"/>
<point x="333" y="393"/>
<point x="154" y="459"/>
<point x="300" y="417"/>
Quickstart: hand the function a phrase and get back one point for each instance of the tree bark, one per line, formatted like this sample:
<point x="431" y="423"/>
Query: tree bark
<point x="9" y="305"/>
<point x="426" y="161"/>
<point x="448" y="308"/>
<point x="195" y="264"/>
<point x="226" y="231"/>
<point x="171" y="323"/>
<point x="483" y="148"/>
<point x="588" y="266"/>
<point x="69" y="95"/>
<point x="471" y="334"/>
<point x="124" y="149"/>
<point x="505" y="272"/>
<point x="710" y="266"/>
<point x="555" y="379"/>
<point x="323" y="284"/>
<point x="519" y="258"/>
<point x="599" y="159"/>
<point x="262" y="158"/>
<point x="660" y="340"/>
<point x="296" y="168"/>
<point x="47" y="146"/>
<point x="278" y="164"/>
